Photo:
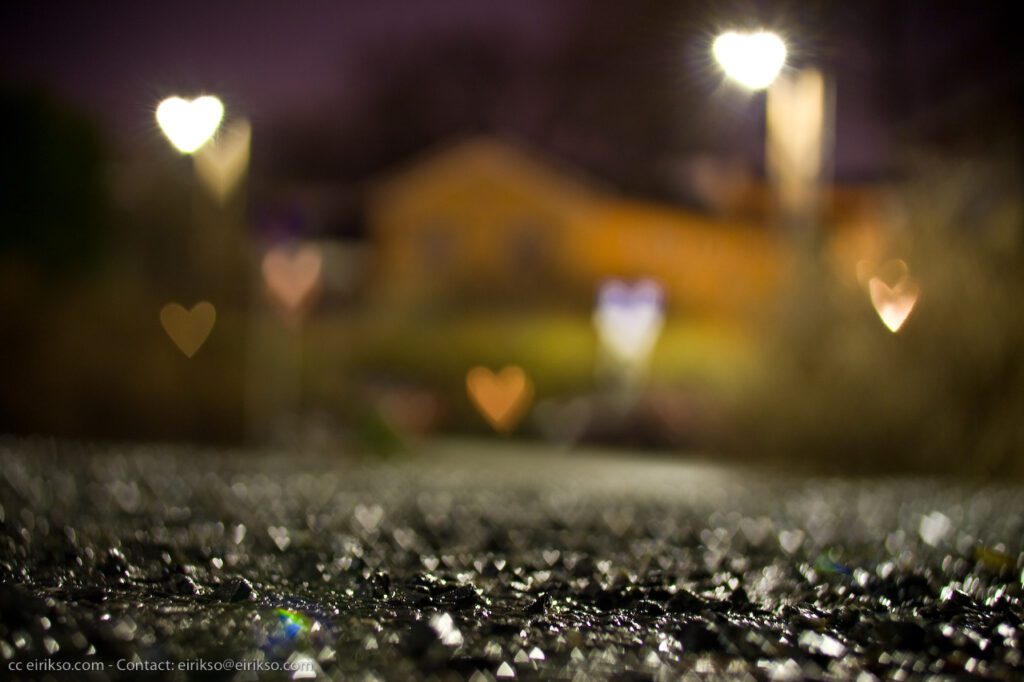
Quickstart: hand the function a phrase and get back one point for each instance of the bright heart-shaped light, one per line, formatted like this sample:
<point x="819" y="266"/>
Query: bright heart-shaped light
<point x="189" y="124"/>
<point x="893" y="304"/>
<point x="629" y="319"/>
<point x="753" y="59"/>
<point x="501" y="398"/>
<point x="291" y="276"/>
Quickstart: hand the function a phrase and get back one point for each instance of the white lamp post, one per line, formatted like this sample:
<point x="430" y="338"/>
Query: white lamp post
<point x="797" y="119"/>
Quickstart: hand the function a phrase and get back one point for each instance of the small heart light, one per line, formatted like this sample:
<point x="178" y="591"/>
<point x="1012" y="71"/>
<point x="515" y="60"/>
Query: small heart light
<point x="752" y="59"/>
<point x="501" y="398"/>
<point x="629" y="319"/>
<point x="189" y="124"/>
<point x="188" y="328"/>
<point x="893" y="304"/>
<point x="292" y="275"/>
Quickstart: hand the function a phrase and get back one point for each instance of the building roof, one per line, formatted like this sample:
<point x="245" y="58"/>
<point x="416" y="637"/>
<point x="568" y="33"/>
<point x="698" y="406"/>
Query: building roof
<point x="489" y="158"/>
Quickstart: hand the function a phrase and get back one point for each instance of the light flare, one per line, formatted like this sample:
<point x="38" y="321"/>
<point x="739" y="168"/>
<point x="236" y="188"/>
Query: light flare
<point x="189" y="124"/>
<point x="752" y="59"/>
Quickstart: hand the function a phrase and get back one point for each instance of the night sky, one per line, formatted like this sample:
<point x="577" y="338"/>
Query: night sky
<point x="339" y="91"/>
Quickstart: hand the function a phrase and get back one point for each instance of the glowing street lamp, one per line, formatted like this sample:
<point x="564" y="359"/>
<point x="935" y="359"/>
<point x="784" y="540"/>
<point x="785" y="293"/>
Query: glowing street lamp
<point x="189" y="124"/>
<point x="797" y="120"/>
<point x="752" y="59"/>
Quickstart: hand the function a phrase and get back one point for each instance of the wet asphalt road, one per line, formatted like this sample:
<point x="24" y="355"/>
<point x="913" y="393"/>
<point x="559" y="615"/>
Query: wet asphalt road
<point x="483" y="561"/>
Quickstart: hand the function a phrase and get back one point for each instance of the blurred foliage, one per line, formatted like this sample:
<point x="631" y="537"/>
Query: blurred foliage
<point x="558" y="351"/>
<point x="374" y="434"/>
<point x="52" y="199"/>
<point x="839" y="392"/>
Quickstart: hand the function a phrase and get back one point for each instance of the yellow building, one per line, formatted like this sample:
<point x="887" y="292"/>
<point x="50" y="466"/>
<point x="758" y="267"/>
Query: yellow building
<point x="482" y="220"/>
<point x="478" y="217"/>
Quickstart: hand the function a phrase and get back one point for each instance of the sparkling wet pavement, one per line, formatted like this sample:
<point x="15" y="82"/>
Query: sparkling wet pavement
<point x="477" y="561"/>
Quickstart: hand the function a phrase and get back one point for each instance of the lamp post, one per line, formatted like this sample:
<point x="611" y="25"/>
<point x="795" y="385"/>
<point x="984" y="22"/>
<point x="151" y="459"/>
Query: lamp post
<point x="190" y="126"/>
<point x="797" y="122"/>
<point x="273" y="343"/>
<point x="220" y="264"/>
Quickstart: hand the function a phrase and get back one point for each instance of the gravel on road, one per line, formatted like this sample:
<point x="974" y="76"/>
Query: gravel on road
<point x="484" y="561"/>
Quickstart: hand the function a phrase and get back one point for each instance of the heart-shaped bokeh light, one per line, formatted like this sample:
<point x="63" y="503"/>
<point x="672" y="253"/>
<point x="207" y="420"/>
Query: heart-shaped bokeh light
<point x="629" y="319"/>
<point x="892" y="290"/>
<point x="188" y="328"/>
<point x="501" y="398"/>
<point x="893" y="304"/>
<point x="291" y="275"/>
<point x="752" y="59"/>
<point x="189" y="124"/>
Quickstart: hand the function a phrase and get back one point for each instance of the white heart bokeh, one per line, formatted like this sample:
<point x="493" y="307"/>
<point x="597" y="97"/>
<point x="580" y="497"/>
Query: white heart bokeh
<point x="752" y="59"/>
<point x="629" y="320"/>
<point x="189" y="124"/>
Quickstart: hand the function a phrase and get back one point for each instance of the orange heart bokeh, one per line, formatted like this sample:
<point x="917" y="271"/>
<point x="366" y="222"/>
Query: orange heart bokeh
<point x="501" y="398"/>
